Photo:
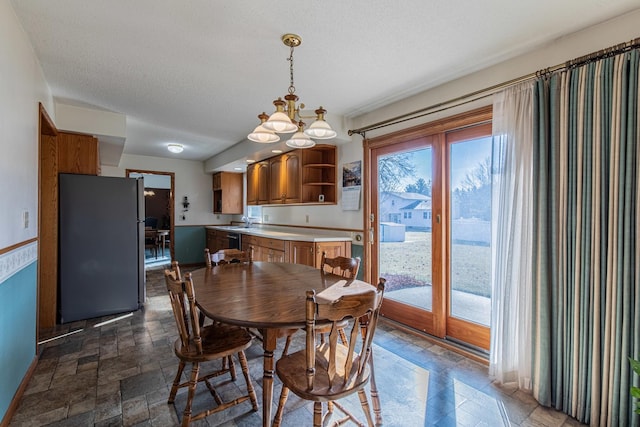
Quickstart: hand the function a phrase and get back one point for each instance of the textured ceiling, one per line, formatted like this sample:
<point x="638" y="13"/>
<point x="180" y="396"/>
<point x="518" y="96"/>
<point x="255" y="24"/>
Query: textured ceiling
<point x="198" y="72"/>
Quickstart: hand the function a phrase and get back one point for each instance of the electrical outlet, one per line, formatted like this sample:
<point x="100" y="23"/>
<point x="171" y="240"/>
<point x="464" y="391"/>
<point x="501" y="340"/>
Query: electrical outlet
<point x="25" y="218"/>
<point x="266" y="218"/>
<point x="307" y="218"/>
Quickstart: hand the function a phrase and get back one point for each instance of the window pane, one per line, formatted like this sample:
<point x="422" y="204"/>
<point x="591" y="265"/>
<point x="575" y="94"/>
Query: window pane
<point x="470" y="216"/>
<point x="404" y="188"/>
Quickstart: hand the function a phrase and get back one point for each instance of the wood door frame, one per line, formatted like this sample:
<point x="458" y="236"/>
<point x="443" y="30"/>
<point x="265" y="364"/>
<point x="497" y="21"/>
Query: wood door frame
<point x="172" y="201"/>
<point x="415" y="136"/>
<point x="47" y="292"/>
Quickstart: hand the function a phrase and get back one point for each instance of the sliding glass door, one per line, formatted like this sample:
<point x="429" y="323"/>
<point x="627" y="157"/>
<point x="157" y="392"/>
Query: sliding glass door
<point x="430" y="230"/>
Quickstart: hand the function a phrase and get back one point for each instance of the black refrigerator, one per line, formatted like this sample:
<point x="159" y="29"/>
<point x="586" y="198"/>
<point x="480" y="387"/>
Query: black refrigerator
<point x="101" y="246"/>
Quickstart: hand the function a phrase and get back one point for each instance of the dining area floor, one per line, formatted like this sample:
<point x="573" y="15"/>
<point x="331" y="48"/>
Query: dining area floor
<point x="120" y="374"/>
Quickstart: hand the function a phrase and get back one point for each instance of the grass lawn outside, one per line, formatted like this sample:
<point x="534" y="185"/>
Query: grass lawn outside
<point x="408" y="264"/>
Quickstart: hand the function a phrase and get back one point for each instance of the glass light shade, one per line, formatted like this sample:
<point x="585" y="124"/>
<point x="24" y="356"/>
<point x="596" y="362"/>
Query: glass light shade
<point x="263" y="136"/>
<point x="300" y="140"/>
<point x="320" y="129"/>
<point x="279" y="122"/>
<point x="175" y="148"/>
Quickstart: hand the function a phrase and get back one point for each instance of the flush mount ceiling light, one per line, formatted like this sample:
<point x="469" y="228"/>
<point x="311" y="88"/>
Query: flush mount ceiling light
<point x="288" y="118"/>
<point x="175" y="148"/>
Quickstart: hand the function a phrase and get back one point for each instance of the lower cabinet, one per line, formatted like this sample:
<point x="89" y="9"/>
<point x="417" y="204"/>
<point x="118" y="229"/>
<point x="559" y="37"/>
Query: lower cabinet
<point x="275" y="250"/>
<point x="216" y="240"/>
<point x="302" y="253"/>
<point x="310" y="253"/>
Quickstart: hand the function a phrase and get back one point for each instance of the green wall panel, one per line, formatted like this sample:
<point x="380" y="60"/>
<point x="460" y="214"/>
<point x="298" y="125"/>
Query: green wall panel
<point x="17" y="331"/>
<point x="190" y="243"/>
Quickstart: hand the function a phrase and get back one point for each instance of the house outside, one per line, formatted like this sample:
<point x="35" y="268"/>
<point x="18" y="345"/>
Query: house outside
<point x="410" y="209"/>
<point x="413" y="210"/>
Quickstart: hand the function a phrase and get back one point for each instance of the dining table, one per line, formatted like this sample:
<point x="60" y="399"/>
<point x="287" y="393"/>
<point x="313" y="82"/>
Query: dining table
<point x="269" y="297"/>
<point x="162" y="235"/>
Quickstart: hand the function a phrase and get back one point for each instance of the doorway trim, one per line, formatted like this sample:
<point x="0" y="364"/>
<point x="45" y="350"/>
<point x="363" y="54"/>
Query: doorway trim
<point x="171" y="204"/>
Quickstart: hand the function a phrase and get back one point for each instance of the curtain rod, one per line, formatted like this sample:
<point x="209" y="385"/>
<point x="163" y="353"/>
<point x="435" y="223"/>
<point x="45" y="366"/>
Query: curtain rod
<point x="488" y="91"/>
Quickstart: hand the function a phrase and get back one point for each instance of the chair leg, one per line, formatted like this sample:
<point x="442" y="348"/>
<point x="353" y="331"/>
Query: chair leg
<point x="375" y="397"/>
<point x="286" y="345"/>
<point x="193" y="381"/>
<point x="365" y="407"/>
<point x="317" y="414"/>
<point x="176" y="383"/>
<point x="281" y="402"/>
<point x="342" y="336"/>
<point x="247" y="378"/>
<point x="232" y="367"/>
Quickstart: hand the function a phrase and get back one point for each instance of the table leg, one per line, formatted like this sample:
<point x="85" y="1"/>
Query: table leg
<point x="269" y="341"/>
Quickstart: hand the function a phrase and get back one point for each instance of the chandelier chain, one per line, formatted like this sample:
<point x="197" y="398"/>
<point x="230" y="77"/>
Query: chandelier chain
<point x="292" y="88"/>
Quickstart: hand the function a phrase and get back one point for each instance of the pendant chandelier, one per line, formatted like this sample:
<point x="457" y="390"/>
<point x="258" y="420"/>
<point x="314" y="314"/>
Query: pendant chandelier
<point x="288" y="118"/>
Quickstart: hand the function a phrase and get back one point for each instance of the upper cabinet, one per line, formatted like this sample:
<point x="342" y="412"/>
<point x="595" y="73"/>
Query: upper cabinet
<point x="78" y="153"/>
<point x="319" y="174"/>
<point x="300" y="176"/>
<point x="227" y="193"/>
<point x="284" y="178"/>
<point x="258" y="183"/>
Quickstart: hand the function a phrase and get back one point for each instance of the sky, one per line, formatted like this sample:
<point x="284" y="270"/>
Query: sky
<point x="464" y="157"/>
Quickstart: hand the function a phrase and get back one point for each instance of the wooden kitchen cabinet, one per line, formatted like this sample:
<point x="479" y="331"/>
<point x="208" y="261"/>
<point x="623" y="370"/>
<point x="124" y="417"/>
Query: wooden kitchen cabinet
<point x="319" y="174"/>
<point x="270" y="250"/>
<point x="302" y="253"/>
<point x="227" y="193"/>
<point x="284" y="178"/>
<point x="78" y="153"/>
<point x="299" y="176"/>
<point x="216" y="240"/>
<point x="310" y="253"/>
<point x="211" y="240"/>
<point x="258" y="183"/>
<point x="333" y="249"/>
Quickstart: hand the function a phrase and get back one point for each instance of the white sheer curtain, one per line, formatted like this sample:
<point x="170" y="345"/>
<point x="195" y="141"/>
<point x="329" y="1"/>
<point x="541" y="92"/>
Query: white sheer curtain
<point x="512" y="198"/>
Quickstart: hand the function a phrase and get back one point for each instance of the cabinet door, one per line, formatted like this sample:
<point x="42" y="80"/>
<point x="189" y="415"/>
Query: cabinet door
<point x="77" y="153"/>
<point x="284" y="178"/>
<point x="275" y="255"/>
<point x="333" y="249"/>
<point x="276" y="187"/>
<point x="252" y="184"/>
<point x="258" y="183"/>
<point x="211" y="240"/>
<point x="227" y="193"/>
<point x="292" y="177"/>
<point x="262" y="172"/>
<point x="222" y="241"/>
<point x="302" y="253"/>
<point x="231" y="193"/>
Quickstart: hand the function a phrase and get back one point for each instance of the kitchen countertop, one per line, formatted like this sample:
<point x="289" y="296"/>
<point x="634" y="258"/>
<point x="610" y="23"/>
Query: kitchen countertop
<point x="286" y="233"/>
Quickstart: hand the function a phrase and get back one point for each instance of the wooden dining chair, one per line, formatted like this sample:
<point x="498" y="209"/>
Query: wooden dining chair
<point x="196" y="345"/>
<point x="151" y="241"/>
<point x="341" y="266"/>
<point x="326" y="372"/>
<point x="226" y="256"/>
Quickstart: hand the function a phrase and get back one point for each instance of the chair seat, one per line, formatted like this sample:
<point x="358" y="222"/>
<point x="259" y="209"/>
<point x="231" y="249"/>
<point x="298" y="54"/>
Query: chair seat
<point x="218" y="340"/>
<point x="289" y="372"/>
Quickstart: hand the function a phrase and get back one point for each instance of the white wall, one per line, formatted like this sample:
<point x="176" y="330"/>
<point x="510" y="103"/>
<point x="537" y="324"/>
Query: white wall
<point x="621" y="29"/>
<point x="190" y="181"/>
<point x="22" y="86"/>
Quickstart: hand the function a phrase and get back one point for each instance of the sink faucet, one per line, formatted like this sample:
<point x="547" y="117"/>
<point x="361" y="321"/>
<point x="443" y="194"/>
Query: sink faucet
<point x="247" y="221"/>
